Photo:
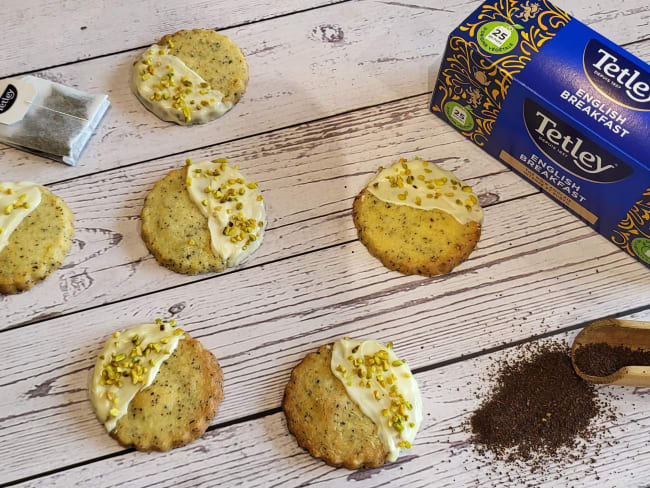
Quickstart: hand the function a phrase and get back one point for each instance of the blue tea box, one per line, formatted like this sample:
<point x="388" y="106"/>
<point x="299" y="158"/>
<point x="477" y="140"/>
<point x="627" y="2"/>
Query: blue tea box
<point x="561" y="105"/>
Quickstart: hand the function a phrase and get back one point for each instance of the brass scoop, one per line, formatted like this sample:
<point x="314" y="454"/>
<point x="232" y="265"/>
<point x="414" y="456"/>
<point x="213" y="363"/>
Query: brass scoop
<point x="614" y="332"/>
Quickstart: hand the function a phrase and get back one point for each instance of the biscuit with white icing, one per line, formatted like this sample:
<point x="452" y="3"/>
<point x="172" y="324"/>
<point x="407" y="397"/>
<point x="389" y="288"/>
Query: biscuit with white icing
<point x="159" y="393"/>
<point x="190" y="231"/>
<point x="39" y="243"/>
<point x="190" y="77"/>
<point x="213" y="56"/>
<point x="417" y="218"/>
<point x="328" y="393"/>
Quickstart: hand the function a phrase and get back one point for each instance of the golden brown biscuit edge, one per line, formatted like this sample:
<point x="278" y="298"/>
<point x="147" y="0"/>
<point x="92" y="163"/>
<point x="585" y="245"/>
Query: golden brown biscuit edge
<point x="149" y="425"/>
<point x="325" y="421"/>
<point x="175" y="231"/>
<point x="453" y="249"/>
<point x="49" y="248"/>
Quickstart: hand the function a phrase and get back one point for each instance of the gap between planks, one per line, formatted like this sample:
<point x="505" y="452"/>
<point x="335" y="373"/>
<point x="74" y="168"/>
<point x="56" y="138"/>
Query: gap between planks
<point x="298" y="219"/>
<point x="362" y="75"/>
<point x="353" y="67"/>
<point x="482" y="356"/>
<point x="181" y="154"/>
<point x="463" y="319"/>
<point x="641" y="42"/>
<point x="272" y="16"/>
<point x="225" y="274"/>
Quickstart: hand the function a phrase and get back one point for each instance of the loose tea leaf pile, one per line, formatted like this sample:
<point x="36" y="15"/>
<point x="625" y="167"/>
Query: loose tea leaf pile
<point x="602" y="359"/>
<point x="538" y="409"/>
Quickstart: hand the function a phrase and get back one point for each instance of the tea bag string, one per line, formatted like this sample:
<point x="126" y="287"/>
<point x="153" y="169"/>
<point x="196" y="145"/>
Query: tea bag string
<point x="31" y="102"/>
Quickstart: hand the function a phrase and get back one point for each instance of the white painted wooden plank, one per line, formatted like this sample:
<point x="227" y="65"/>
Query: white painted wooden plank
<point x="261" y="453"/>
<point x="309" y="176"/>
<point x="299" y="72"/>
<point x="41" y="33"/>
<point x="609" y="19"/>
<point x="59" y="33"/>
<point x="522" y="281"/>
<point x="312" y="280"/>
<point x="302" y="67"/>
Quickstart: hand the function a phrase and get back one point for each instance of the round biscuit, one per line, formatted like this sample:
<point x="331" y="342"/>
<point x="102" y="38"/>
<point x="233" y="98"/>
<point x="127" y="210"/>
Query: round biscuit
<point x="412" y="240"/>
<point x="180" y="403"/>
<point x="37" y="246"/>
<point x="175" y="231"/>
<point x="215" y="57"/>
<point x="325" y="421"/>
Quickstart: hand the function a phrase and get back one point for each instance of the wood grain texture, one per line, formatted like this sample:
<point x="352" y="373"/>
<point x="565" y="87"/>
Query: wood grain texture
<point x="261" y="453"/>
<point x="258" y="322"/>
<point x="537" y="269"/>
<point x="303" y="67"/>
<point x="64" y="32"/>
<point x="309" y="175"/>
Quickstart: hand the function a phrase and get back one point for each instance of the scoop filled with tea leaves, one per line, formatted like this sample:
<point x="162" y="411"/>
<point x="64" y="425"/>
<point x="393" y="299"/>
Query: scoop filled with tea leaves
<point x="614" y="352"/>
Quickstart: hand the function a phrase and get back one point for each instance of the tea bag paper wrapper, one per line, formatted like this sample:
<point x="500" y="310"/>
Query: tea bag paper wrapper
<point x="47" y="118"/>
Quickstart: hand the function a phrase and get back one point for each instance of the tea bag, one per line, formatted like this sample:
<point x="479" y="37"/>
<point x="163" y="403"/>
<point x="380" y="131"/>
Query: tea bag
<point x="58" y="121"/>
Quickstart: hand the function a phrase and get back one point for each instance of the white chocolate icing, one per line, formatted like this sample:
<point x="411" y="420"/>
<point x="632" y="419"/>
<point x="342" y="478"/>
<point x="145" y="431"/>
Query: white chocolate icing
<point x="140" y="346"/>
<point x="426" y="186"/>
<point x="174" y="92"/>
<point x="233" y="206"/>
<point x="392" y="391"/>
<point x="17" y="201"/>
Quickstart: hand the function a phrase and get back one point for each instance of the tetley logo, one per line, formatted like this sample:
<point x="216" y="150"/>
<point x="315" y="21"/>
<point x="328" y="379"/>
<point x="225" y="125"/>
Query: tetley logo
<point x="571" y="149"/>
<point x="8" y="98"/>
<point x="618" y="78"/>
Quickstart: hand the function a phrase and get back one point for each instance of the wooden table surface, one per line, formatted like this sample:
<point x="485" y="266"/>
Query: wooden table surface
<point x="337" y="88"/>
